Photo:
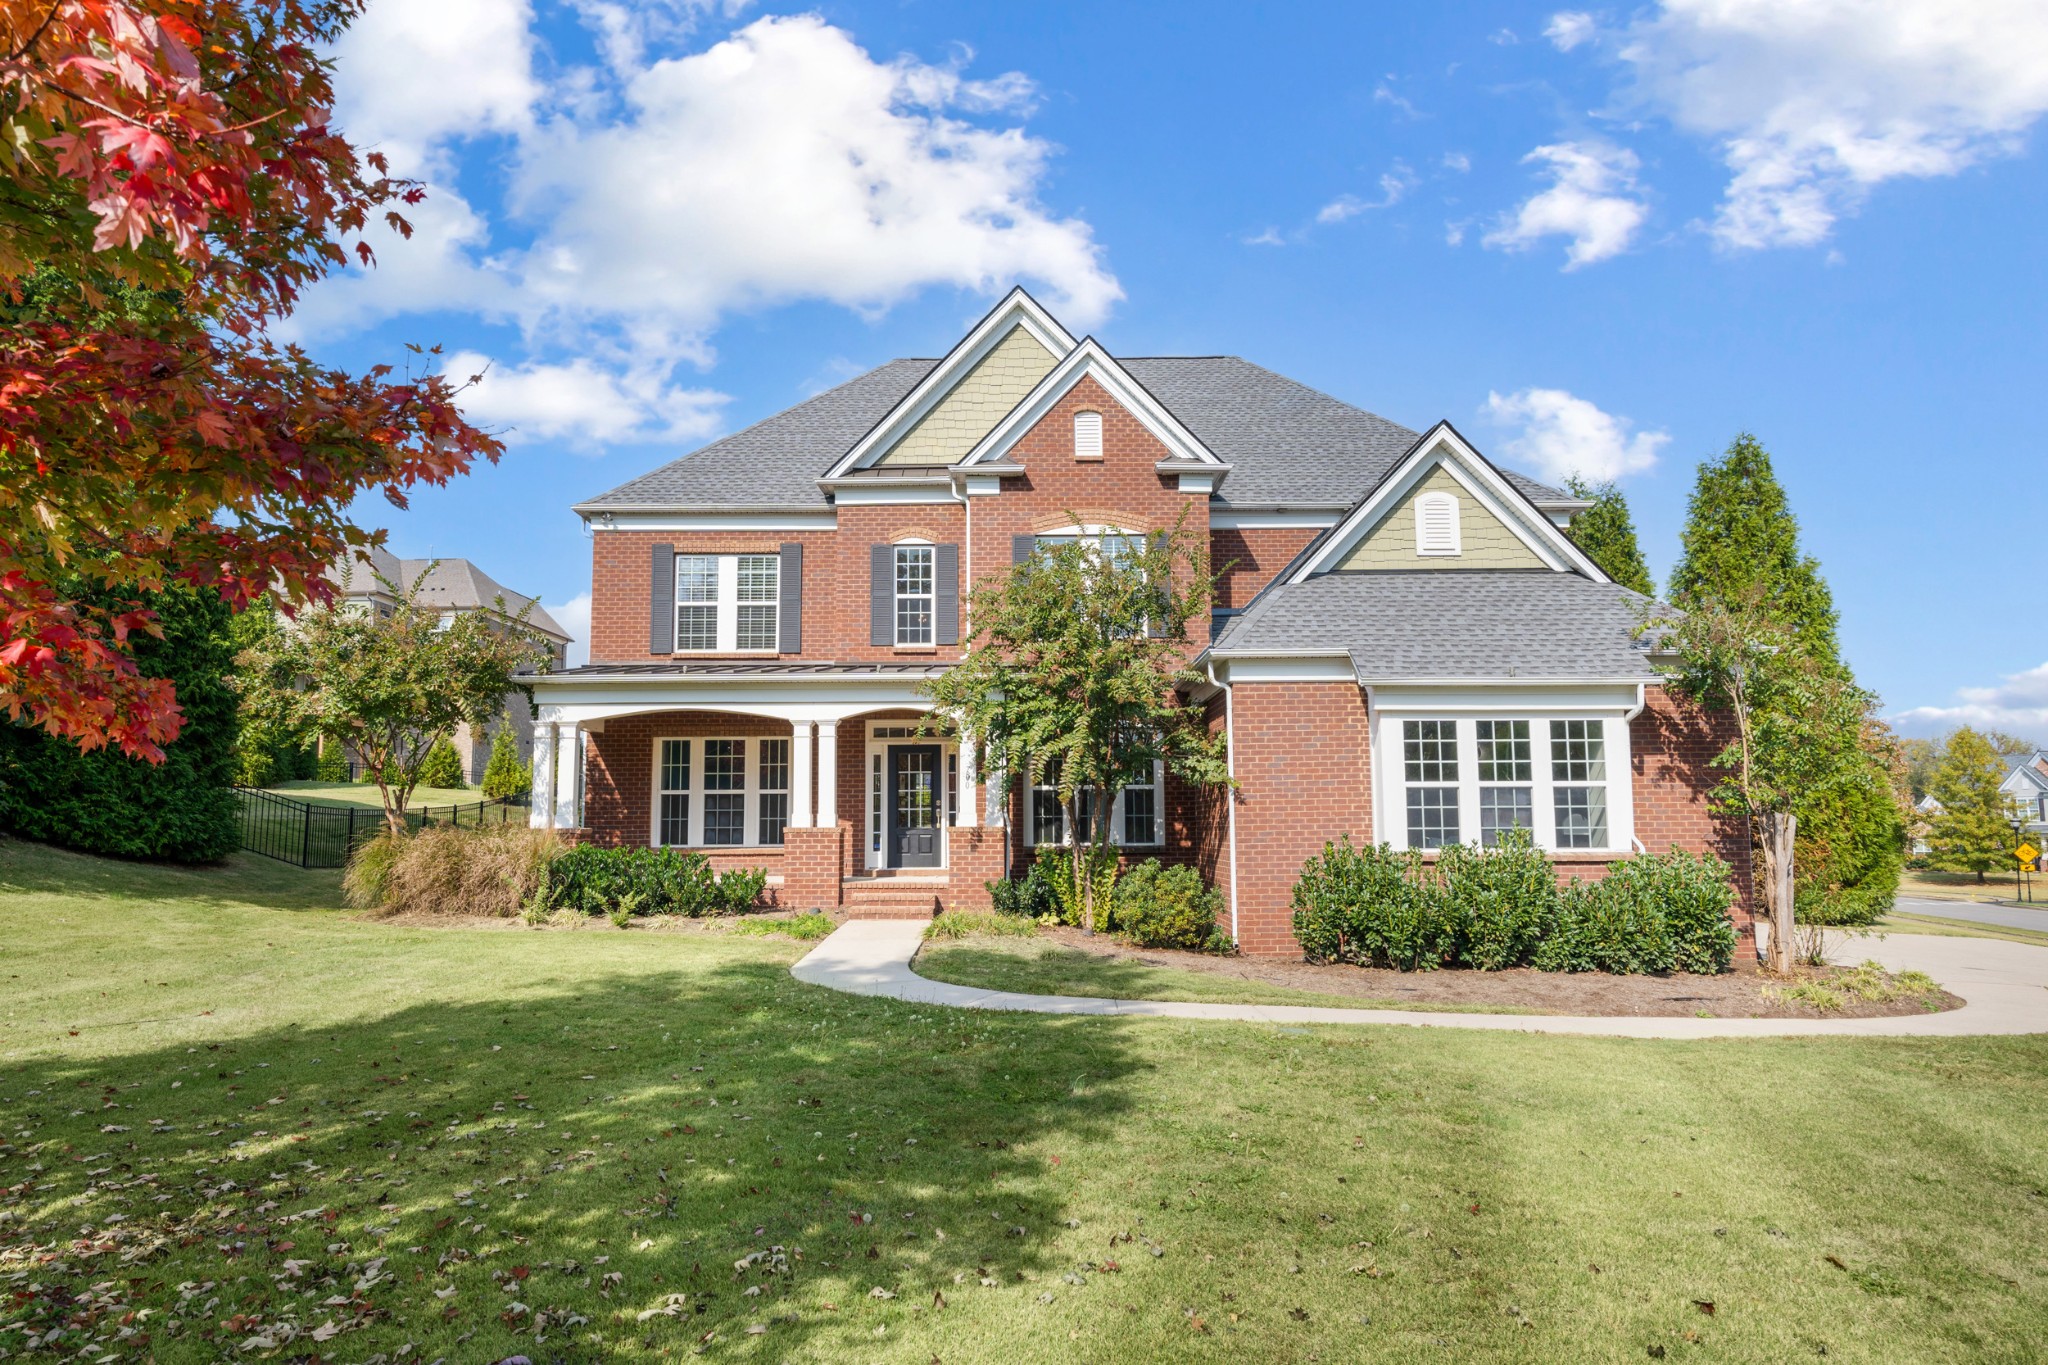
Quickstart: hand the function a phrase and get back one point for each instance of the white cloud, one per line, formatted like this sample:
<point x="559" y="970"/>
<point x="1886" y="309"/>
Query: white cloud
<point x="1384" y="93"/>
<point x="1394" y="185"/>
<point x="573" y="616"/>
<point x="785" y="164"/>
<point x="648" y="201"/>
<point x="2018" y="704"/>
<point x="1815" y="102"/>
<point x="1457" y="162"/>
<point x="1269" y="237"/>
<point x="1558" y="435"/>
<point x="582" y="402"/>
<point x="1589" y="201"/>
<point x="1569" y="28"/>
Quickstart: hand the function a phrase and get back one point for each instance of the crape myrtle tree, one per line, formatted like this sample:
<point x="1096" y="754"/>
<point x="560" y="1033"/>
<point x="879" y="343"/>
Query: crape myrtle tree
<point x="1076" y="673"/>
<point x="1741" y="552"/>
<point x="170" y="183"/>
<point x="390" y="688"/>
<point x="1972" y="830"/>
<point x="1607" y="534"/>
<point x="1799" y="733"/>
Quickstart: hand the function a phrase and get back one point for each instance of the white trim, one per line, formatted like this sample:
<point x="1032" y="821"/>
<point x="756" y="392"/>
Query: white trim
<point x="892" y="492"/>
<point x="824" y="519"/>
<point x="1297" y="668"/>
<point x="1442" y="447"/>
<point x="1018" y="309"/>
<point x="1308" y="518"/>
<point x="1089" y="360"/>
<point x="1390" y="797"/>
<point x="1157" y="787"/>
<point x="953" y="798"/>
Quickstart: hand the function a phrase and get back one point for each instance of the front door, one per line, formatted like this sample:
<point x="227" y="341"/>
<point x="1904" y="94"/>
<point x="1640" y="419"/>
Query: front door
<point x="915" y="801"/>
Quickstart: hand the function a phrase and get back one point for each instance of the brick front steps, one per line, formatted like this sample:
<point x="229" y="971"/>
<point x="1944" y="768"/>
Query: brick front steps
<point x="891" y="897"/>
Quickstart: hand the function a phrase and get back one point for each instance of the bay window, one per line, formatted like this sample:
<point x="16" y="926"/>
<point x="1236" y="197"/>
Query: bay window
<point x="712" y="793"/>
<point x="728" y="603"/>
<point x="1462" y="779"/>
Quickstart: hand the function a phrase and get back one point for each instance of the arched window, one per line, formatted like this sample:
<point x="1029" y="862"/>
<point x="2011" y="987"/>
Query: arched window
<point x="1087" y="435"/>
<point x="1436" y="525"/>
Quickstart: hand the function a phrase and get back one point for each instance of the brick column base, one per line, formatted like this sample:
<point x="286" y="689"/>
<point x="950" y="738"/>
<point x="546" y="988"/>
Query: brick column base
<point x="813" y="862"/>
<point x="974" y="857"/>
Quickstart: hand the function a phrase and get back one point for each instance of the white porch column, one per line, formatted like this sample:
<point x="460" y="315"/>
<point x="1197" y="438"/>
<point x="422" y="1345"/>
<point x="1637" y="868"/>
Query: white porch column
<point x="542" y="813"/>
<point x="998" y="811"/>
<point x="568" y="778"/>
<point x="970" y="763"/>
<point x="802" y="733"/>
<point x="828" y="773"/>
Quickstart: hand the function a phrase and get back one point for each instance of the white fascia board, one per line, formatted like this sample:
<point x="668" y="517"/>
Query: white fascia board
<point x="1018" y="309"/>
<point x="1525" y="695"/>
<point x="1306" y="518"/>
<point x="1473" y="473"/>
<point x="1277" y="666"/>
<point x="1089" y="359"/>
<point x="769" y="519"/>
<point x="815" y="698"/>
<point x="893" y="492"/>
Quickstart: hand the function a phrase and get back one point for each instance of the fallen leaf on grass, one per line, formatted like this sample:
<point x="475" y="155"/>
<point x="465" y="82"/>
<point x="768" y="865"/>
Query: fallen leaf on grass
<point x="1705" y="1306"/>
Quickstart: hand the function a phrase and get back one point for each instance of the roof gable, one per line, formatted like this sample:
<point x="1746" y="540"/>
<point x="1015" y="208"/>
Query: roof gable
<point x="1017" y="313"/>
<point x="1089" y="361"/>
<point x="1511" y="519"/>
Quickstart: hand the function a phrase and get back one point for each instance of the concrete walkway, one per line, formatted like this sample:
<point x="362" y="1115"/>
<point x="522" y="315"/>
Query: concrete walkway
<point x="2006" y="985"/>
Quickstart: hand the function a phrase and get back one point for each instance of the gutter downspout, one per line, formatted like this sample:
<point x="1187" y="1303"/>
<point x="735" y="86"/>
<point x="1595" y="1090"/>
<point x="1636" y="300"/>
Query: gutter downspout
<point x="1230" y="760"/>
<point x="1642" y="700"/>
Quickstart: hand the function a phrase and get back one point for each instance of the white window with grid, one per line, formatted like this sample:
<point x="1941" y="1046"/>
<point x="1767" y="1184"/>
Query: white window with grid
<point x="914" y="595"/>
<point x="728" y="603"/>
<point x="1476" y="779"/>
<point x="1135" y="816"/>
<point x="721" y="792"/>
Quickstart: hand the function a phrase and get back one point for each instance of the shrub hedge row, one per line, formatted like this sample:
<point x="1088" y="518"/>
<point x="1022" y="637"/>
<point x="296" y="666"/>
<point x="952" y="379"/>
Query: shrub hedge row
<point x="1502" y="907"/>
<point x="648" y="881"/>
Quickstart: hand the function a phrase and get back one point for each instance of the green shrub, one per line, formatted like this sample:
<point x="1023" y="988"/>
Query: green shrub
<point x="1694" y="892"/>
<point x="333" y="763"/>
<point x="1607" y="926"/>
<point x="1054" y="867"/>
<point x="1374" y="907"/>
<point x="504" y="775"/>
<point x="1167" y="907"/>
<point x="667" y="881"/>
<point x="979" y="924"/>
<point x="1499" y="902"/>
<point x="1030" y="896"/>
<point x="182" y="810"/>
<point x="443" y="766"/>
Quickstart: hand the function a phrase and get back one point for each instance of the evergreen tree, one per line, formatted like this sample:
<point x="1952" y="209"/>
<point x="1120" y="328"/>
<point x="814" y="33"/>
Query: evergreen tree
<point x="504" y="775"/>
<point x="181" y="810"/>
<point x="1608" y="535"/>
<point x="1969" y="833"/>
<point x="1741" y="544"/>
<point x="267" y="754"/>
<point x="443" y="767"/>
<point x="333" y="764"/>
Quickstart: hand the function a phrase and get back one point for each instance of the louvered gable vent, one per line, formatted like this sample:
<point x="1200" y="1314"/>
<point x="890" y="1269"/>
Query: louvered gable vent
<point x="1436" y="524"/>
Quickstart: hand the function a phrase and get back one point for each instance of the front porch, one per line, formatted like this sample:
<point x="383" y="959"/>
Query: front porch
<point x="839" y="783"/>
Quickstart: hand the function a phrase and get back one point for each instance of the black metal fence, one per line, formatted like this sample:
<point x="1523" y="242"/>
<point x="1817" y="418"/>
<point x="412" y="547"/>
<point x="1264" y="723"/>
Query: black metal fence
<point x="313" y="835"/>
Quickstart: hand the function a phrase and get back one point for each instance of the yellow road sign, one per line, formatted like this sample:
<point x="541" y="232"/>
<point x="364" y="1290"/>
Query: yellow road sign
<point x="2026" y="853"/>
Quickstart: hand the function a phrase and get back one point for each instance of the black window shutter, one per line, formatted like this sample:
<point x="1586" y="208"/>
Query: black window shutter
<point x="882" y="595"/>
<point x="1021" y="548"/>
<point x="661" y="634"/>
<point x="1155" y="625"/>
<point x="790" y="620"/>
<point x="946" y="593"/>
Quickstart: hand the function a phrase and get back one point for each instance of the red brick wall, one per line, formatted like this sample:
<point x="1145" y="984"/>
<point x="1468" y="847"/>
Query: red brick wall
<point x="1247" y="560"/>
<point x="1672" y="747"/>
<point x="618" y="780"/>
<point x="1304" y="772"/>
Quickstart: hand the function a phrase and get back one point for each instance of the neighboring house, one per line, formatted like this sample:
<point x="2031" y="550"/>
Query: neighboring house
<point x="1406" y="647"/>
<point x="2026" y="786"/>
<point x="451" y="586"/>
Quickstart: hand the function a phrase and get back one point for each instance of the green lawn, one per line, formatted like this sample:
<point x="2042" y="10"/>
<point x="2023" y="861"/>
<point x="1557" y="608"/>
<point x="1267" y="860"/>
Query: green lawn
<point x="1039" y="968"/>
<point x="365" y="794"/>
<point x="1901" y="922"/>
<point x="239" y="1115"/>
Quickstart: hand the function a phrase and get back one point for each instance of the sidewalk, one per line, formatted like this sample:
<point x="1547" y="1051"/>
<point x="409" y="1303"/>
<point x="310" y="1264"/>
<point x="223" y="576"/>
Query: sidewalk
<point x="2005" y="985"/>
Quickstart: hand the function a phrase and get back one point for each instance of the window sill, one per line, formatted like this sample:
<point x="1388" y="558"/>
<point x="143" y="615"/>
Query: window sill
<point x="726" y="654"/>
<point x="914" y="649"/>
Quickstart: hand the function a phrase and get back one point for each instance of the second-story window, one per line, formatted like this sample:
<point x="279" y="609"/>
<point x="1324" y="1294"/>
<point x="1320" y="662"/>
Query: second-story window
<point x="728" y="602"/>
<point x="913" y="594"/>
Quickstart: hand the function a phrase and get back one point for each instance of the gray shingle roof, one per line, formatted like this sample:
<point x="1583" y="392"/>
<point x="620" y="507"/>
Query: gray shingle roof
<point x="1452" y="624"/>
<point x="455" y="584"/>
<point x="1289" y="444"/>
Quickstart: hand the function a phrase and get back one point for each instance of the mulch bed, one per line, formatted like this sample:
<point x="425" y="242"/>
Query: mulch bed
<point x="1736" y="994"/>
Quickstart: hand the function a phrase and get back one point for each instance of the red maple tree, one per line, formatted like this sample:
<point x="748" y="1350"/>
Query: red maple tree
<point x="170" y="182"/>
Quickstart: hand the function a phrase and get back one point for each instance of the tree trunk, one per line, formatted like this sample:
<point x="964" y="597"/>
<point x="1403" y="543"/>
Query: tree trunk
<point x="1780" y="830"/>
<point x="1078" y="850"/>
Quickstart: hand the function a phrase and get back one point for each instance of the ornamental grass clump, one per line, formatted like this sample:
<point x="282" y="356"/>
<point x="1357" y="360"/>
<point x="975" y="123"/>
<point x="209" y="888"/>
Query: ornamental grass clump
<point x="446" y="870"/>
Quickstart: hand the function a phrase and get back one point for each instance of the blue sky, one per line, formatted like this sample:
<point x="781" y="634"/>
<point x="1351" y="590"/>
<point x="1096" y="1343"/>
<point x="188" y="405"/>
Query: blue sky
<point x="1605" y="240"/>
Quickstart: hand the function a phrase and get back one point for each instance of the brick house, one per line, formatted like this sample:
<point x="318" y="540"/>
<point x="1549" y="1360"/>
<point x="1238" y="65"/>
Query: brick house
<point x="1406" y="647"/>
